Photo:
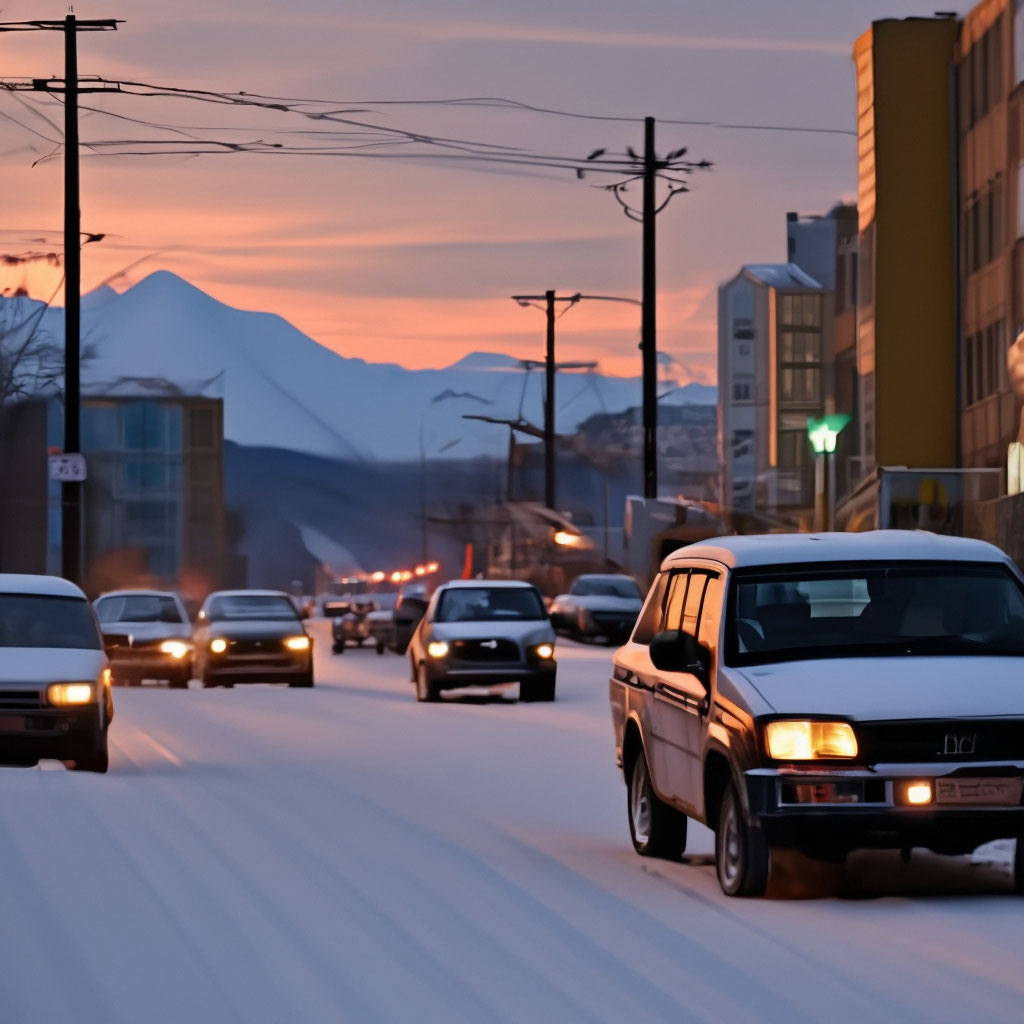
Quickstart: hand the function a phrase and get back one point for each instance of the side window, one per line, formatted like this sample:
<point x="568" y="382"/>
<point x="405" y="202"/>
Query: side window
<point x="694" y="599"/>
<point x="676" y="599"/>
<point x="649" y="622"/>
<point x="711" y="612"/>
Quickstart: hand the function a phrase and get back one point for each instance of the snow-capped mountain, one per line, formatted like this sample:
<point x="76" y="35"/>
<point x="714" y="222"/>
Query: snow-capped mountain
<point x="282" y="389"/>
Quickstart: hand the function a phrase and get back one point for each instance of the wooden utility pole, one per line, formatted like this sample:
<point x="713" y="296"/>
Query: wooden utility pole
<point x="648" y="328"/>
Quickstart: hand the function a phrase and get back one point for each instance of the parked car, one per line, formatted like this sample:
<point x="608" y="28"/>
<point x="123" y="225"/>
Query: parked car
<point x="598" y="606"/>
<point x="826" y="693"/>
<point x="484" y="633"/>
<point x="147" y="635"/>
<point x="252" y="636"/>
<point x="55" y="699"/>
<point x="409" y="611"/>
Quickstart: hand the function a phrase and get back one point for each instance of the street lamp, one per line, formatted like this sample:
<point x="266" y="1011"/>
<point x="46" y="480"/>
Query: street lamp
<point x="823" y="433"/>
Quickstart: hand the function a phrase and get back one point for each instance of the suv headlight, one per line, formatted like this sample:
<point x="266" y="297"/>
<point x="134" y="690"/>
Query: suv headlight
<point x="544" y="651"/>
<point x="175" y="648"/>
<point x="437" y="648"/>
<point x="63" y="694"/>
<point x="297" y="643"/>
<point x="810" y="741"/>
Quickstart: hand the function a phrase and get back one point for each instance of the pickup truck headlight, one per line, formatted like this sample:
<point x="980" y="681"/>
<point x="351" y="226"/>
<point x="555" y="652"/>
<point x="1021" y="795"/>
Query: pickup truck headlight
<point x="63" y="694"/>
<point x="297" y="643"/>
<point x="437" y="648"/>
<point x="810" y="741"/>
<point x="544" y="651"/>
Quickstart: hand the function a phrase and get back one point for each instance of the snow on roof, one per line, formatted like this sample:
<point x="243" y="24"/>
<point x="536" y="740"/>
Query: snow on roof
<point x="787" y="276"/>
<point x="877" y="546"/>
<point x="51" y="586"/>
<point x="247" y="593"/>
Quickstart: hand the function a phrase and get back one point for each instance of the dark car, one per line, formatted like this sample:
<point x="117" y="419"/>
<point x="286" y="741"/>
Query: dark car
<point x="147" y="635"/>
<point x="252" y="636"/>
<point x="484" y="633"/>
<point x="598" y="606"/>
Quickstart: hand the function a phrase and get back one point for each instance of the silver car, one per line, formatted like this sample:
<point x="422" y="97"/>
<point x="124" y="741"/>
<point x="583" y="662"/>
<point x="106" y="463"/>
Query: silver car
<point x="484" y="633"/>
<point x="55" y="699"/>
<point x="147" y="635"/>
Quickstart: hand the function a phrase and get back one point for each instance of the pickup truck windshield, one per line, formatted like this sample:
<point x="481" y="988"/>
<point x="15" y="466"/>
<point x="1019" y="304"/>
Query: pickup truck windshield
<point x="874" y="611"/>
<point x="41" y="620"/>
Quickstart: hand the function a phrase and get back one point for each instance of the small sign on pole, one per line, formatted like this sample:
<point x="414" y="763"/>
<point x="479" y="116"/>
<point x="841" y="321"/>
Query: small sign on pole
<point x="68" y="467"/>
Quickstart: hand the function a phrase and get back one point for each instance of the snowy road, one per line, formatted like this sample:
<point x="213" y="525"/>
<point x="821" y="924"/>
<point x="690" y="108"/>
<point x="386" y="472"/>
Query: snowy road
<point x="344" y="854"/>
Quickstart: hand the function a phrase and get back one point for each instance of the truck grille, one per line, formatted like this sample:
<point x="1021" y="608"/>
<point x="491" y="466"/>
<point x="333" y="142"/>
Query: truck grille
<point x="938" y="740"/>
<point x="256" y="645"/>
<point x="485" y="650"/>
<point x="19" y="700"/>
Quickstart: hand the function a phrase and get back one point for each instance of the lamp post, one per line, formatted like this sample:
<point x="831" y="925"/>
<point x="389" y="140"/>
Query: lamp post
<point x="823" y="434"/>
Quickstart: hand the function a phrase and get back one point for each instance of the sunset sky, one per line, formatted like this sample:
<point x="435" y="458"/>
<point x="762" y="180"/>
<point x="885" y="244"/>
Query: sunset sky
<point x="412" y="261"/>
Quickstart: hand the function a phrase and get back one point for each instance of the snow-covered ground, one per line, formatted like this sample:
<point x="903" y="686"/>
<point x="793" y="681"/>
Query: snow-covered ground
<point x="345" y="854"/>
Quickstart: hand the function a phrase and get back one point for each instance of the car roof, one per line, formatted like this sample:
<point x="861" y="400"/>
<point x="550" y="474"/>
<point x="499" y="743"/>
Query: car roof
<point x="247" y="593"/>
<point x="458" y="584"/>
<point x="604" y="576"/>
<point x="48" y="586"/>
<point x="137" y="593"/>
<point x="875" y="546"/>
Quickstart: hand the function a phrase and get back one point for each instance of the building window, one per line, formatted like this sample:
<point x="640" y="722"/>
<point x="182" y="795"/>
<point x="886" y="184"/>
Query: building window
<point x="742" y="444"/>
<point x="743" y="389"/>
<point x="983" y="227"/>
<point x="800" y="384"/>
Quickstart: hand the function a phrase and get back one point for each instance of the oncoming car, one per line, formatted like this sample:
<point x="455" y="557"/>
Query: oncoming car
<point x="825" y="693"/>
<point x="55" y="699"/>
<point x="147" y="635"/>
<point x="251" y="636"/>
<point x="484" y="633"/>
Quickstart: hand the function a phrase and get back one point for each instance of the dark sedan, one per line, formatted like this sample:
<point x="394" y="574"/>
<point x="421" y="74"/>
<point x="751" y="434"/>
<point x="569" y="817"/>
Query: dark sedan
<point x="598" y="606"/>
<point x="252" y="636"/>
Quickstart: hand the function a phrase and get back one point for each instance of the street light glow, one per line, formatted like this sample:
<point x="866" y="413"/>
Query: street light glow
<point x="824" y="433"/>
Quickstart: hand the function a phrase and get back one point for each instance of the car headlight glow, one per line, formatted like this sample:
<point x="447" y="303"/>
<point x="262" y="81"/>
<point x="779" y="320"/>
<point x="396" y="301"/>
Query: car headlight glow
<point x="297" y="643"/>
<point x="63" y="694"/>
<point x="437" y="648"/>
<point x="175" y="648"/>
<point x="218" y="646"/>
<point x="810" y="741"/>
<point x="544" y="651"/>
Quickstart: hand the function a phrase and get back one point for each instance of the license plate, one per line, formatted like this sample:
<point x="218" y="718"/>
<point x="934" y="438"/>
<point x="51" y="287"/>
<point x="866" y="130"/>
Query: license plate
<point x="994" y="792"/>
<point x="12" y="723"/>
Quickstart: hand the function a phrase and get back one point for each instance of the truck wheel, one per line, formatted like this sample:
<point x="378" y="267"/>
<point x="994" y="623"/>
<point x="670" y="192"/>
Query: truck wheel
<point x="305" y="681"/>
<point x="742" y="855"/>
<point x="93" y="755"/>
<point x="339" y="648"/>
<point x="180" y="681"/>
<point x="380" y="646"/>
<point x="657" y="830"/>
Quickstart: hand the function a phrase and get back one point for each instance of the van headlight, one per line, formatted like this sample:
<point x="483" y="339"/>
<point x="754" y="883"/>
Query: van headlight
<point x="64" y="694"/>
<point x="810" y="741"/>
<point x="437" y="648"/>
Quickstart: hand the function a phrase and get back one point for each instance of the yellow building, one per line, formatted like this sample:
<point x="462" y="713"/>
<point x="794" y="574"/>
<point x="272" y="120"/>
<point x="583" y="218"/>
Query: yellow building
<point x="906" y="337"/>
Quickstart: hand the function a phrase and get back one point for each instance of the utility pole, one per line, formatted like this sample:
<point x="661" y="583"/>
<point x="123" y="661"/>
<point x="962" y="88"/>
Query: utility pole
<point x="71" y="490"/>
<point x="648" y="329"/>
<point x="550" y="300"/>
<point x="549" y="403"/>
<point x="671" y="171"/>
<point x="71" y="520"/>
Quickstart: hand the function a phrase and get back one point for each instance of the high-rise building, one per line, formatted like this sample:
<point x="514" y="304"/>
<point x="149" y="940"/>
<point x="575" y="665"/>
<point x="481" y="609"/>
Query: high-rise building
<point x="906" y="336"/>
<point x="774" y="372"/>
<point x="825" y="247"/>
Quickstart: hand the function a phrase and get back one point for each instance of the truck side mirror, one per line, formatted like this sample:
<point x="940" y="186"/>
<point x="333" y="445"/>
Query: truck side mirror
<point x="675" y="650"/>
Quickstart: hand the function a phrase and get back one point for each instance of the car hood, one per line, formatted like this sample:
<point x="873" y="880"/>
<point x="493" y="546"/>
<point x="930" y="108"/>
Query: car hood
<point x="30" y="667"/>
<point x="534" y="629"/>
<point x="604" y="603"/>
<point x="876" y="689"/>
<point x="148" y="630"/>
<point x="254" y="627"/>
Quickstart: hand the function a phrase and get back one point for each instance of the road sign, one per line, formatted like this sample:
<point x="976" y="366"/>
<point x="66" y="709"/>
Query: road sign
<point x="67" y="467"/>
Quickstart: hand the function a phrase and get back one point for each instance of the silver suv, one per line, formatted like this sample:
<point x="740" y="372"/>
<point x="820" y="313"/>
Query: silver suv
<point x="826" y="693"/>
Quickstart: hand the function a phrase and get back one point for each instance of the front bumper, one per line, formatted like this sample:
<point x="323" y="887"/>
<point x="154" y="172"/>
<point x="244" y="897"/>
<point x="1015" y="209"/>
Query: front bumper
<point x="458" y="675"/>
<point x="249" y="669"/>
<point x="46" y="732"/>
<point x="838" y="810"/>
<point x="148" y="664"/>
